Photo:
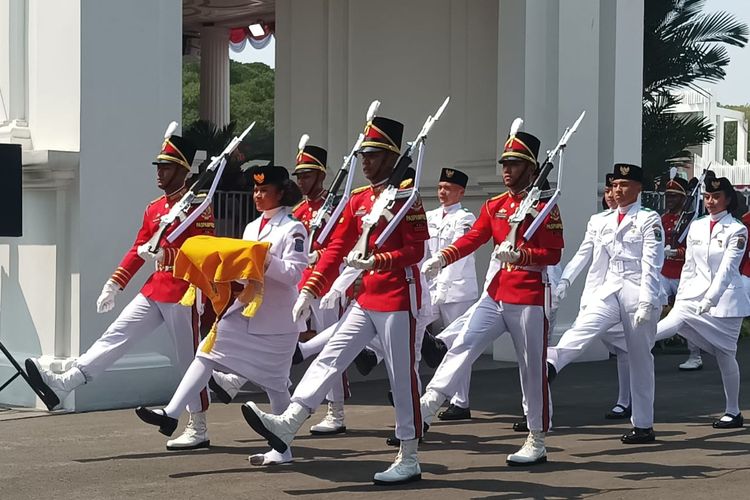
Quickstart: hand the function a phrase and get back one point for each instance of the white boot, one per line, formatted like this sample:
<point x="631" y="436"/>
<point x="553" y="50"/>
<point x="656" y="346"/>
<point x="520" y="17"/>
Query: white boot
<point x="332" y="423"/>
<point x="228" y="384"/>
<point x="532" y="452"/>
<point x="60" y="383"/>
<point x="194" y="436"/>
<point x="404" y="469"/>
<point x="272" y="457"/>
<point x="279" y="430"/>
<point x="692" y="363"/>
<point x="431" y="401"/>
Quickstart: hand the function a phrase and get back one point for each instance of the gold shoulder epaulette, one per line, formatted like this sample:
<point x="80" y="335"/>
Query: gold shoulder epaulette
<point x="406" y="183"/>
<point x="154" y="201"/>
<point x="498" y="196"/>
<point x="360" y="189"/>
<point x="295" y="207"/>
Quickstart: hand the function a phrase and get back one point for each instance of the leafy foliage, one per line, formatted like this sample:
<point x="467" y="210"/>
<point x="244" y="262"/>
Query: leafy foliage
<point x="682" y="47"/>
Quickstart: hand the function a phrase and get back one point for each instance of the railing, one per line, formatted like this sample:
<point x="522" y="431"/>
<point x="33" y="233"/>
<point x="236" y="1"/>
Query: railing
<point x="233" y="210"/>
<point x="655" y="200"/>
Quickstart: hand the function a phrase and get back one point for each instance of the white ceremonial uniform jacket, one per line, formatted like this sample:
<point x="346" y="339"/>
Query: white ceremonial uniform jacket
<point x="460" y="278"/>
<point x="589" y="250"/>
<point x="634" y="251"/>
<point x="288" y="239"/>
<point x="711" y="269"/>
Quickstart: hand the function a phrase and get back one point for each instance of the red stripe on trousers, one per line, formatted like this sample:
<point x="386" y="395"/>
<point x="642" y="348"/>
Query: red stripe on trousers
<point x="545" y="383"/>
<point x="196" y="341"/>
<point x="418" y="425"/>
<point x="346" y="386"/>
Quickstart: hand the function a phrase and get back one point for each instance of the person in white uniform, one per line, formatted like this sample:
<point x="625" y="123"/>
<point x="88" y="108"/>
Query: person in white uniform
<point x="711" y="301"/>
<point x="455" y="288"/>
<point x="629" y="293"/>
<point x="590" y="250"/>
<point x="259" y="348"/>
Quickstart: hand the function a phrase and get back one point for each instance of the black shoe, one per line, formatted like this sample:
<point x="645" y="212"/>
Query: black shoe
<point x="433" y="350"/>
<point x="365" y="361"/>
<point x="454" y="412"/>
<point x="521" y="425"/>
<point x="551" y="372"/>
<point x="47" y="395"/>
<point x="639" y="436"/>
<point x="394" y="441"/>
<point x="219" y="391"/>
<point x="614" y="415"/>
<point x="390" y="398"/>
<point x="736" y="422"/>
<point x="297" y="358"/>
<point x="167" y="425"/>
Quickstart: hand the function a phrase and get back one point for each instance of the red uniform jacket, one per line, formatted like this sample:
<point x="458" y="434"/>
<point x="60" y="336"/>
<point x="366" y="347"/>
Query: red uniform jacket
<point x="745" y="264"/>
<point x="521" y="282"/>
<point x="672" y="268"/>
<point x="384" y="288"/>
<point x="161" y="286"/>
<point x="305" y="212"/>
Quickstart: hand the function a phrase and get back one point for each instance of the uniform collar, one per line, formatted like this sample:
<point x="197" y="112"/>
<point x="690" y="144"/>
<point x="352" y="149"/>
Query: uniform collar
<point x="452" y="208"/>
<point x="172" y="197"/>
<point x="322" y="195"/>
<point x="269" y="214"/>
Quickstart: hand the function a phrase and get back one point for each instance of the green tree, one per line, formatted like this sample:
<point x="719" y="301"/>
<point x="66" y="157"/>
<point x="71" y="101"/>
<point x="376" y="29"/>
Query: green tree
<point x="682" y="48"/>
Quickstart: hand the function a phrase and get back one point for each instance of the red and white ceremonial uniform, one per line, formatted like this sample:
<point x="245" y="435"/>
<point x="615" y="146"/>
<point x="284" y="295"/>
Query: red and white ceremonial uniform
<point x="385" y="305"/>
<point x="514" y="302"/>
<point x="156" y="304"/>
<point x="670" y="271"/>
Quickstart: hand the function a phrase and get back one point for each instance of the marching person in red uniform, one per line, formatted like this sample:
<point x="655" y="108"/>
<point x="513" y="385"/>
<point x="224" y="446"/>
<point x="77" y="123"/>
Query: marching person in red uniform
<point x="515" y="298"/>
<point x="158" y="301"/>
<point x="674" y="256"/>
<point x="385" y="306"/>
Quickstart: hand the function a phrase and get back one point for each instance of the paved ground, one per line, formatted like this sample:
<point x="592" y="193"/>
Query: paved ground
<point x="113" y="455"/>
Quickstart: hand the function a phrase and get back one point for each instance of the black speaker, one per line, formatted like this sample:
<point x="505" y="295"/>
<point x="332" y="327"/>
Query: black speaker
<point x="10" y="190"/>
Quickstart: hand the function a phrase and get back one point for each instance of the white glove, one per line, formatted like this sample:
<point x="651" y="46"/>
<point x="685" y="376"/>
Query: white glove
<point x="440" y="295"/>
<point x="562" y="290"/>
<point x="331" y="299"/>
<point x="703" y="307"/>
<point x="432" y="267"/>
<point x="267" y="262"/>
<point x="505" y="253"/>
<point x="642" y="314"/>
<point x="364" y="264"/>
<point x="144" y="254"/>
<point x="301" y="309"/>
<point x="106" y="301"/>
<point x="670" y="253"/>
<point x="312" y="258"/>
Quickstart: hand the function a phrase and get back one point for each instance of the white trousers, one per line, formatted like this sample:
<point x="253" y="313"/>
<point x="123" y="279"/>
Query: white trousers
<point x="396" y="330"/>
<point x="487" y="321"/>
<point x="137" y="321"/>
<point x="453" y="317"/>
<point x="670" y="287"/>
<point x="339" y="389"/>
<point x="599" y="317"/>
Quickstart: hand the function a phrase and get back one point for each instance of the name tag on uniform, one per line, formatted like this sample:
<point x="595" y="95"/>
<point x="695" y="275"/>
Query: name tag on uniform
<point x="501" y="214"/>
<point x="361" y="211"/>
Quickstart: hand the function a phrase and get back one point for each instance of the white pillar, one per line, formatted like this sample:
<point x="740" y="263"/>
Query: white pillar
<point x="741" y="141"/>
<point x="214" y="99"/>
<point x="719" y="138"/>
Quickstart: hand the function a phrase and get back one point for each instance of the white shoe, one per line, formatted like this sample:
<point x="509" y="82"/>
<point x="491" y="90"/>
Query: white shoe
<point x="194" y="436"/>
<point x="225" y="386"/>
<point x="532" y="452"/>
<point x="61" y="384"/>
<point x="279" y="430"/>
<point x="404" y="469"/>
<point x="332" y="423"/>
<point x="693" y="363"/>
<point x="272" y="457"/>
<point x="431" y="401"/>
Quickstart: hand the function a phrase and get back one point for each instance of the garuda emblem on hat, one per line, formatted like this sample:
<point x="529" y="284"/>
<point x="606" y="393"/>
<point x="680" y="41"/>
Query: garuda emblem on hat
<point x="259" y="178"/>
<point x="449" y="173"/>
<point x="715" y="184"/>
<point x="624" y="170"/>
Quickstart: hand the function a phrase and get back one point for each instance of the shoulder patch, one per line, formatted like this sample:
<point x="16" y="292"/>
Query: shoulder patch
<point x="360" y="189"/>
<point x="646" y="209"/>
<point x="199" y="198"/>
<point x="295" y="207"/>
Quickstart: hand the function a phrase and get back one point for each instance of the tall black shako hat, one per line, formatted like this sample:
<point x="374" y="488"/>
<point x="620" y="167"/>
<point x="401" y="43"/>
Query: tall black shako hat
<point x="311" y="158"/>
<point x="628" y="172"/>
<point x="264" y="175"/>
<point x="382" y="133"/>
<point x="177" y="150"/>
<point x="521" y="146"/>
<point x="454" y="177"/>
<point x="678" y="185"/>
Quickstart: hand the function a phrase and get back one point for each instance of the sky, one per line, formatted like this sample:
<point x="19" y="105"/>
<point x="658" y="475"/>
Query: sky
<point x="735" y="89"/>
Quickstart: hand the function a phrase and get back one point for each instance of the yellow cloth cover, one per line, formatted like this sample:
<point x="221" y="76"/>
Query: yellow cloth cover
<point x="212" y="264"/>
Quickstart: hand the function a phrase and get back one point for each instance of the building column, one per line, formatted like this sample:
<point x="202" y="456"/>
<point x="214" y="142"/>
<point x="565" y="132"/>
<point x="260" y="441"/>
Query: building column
<point x="214" y="89"/>
<point x="741" y="141"/>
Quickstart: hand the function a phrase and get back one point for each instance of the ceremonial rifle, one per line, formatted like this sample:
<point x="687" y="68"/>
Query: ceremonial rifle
<point x="345" y="173"/>
<point x="694" y="198"/>
<point x="180" y="209"/>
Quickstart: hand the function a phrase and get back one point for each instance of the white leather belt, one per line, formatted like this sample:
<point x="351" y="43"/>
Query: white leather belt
<point x="623" y="266"/>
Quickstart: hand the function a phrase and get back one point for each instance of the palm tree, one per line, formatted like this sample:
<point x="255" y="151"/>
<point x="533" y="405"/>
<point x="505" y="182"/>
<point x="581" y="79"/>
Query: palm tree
<point x="682" y="48"/>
